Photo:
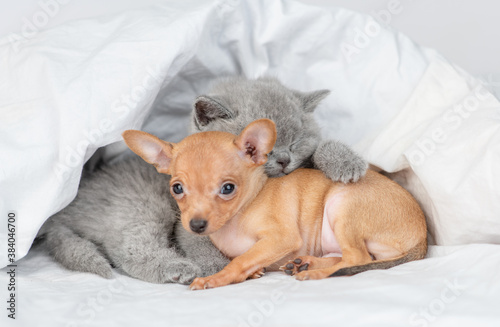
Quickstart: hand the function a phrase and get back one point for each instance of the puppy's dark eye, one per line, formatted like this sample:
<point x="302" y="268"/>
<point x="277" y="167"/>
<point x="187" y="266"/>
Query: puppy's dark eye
<point x="227" y="189"/>
<point x="177" y="188"/>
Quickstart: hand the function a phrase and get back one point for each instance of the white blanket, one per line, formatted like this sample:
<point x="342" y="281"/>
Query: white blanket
<point x="455" y="286"/>
<point x="67" y="91"/>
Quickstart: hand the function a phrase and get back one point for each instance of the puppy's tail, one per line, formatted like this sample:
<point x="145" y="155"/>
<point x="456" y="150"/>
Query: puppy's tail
<point x="415" y="253"/>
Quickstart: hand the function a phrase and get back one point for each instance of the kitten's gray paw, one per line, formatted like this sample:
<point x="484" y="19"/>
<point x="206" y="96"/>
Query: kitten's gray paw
<point x="95" y="264"/>
<point x="78" y="254"/>
<point x="339" y="162"/>
<point x="101" y="267"/>
<point x="181" y="271"/>
<point x="209" y="270"/>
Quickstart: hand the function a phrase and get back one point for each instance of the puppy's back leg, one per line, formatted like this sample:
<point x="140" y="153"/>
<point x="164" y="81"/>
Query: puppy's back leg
<point x="308" y="262"/>
<point x="350" y="257"/>
<point x="74" y="252"/>
<point x="354" y="252"/>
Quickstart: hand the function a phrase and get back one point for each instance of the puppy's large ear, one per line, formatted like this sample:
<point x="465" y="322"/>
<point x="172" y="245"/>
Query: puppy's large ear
<point x="310" y="100"/>
<point x="257" y="140"/>
<point x="207" y="109"/>
<point x="150" y="148"/>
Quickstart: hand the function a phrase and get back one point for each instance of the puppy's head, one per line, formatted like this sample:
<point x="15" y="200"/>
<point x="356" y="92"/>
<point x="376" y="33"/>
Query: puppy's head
<point x="214" y="174"/>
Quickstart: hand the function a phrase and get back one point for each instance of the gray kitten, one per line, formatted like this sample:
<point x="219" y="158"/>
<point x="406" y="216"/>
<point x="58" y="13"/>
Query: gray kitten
<point x="235" y="102"/>
<point x="124" y="216"/>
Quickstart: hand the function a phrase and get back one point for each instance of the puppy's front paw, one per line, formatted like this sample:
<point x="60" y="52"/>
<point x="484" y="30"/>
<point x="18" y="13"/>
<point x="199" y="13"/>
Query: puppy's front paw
<point x="258" y="274"/>
<point x="339" y="162"/>
<point x="217" y="280"/>
<point x="200" y="283"/>
<point x="203" y="283"/>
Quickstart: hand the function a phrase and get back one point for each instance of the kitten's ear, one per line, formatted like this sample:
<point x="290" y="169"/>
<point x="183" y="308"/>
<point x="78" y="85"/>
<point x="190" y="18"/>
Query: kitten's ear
<point x="310" y="100"/>
<point x="257" y="140"/>
<point x="150" y="148"/>
<point x="207" y="109"/>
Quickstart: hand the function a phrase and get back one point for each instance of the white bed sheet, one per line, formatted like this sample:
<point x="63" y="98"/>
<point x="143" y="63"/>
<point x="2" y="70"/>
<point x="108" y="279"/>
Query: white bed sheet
<point x="455" y="286"/>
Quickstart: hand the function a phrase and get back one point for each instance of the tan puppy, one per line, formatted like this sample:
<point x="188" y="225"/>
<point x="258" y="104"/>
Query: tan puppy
<point x="222" y="191"/>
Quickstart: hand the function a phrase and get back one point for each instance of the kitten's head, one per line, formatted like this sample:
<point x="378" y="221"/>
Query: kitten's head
<point x="233" y="103"/>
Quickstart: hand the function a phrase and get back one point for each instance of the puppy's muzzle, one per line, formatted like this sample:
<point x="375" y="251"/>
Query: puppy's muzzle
<point x="198" y="225"/>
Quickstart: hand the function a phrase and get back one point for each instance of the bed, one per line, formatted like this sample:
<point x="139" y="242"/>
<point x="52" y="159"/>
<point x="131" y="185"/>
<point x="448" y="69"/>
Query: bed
<point x="435" y="129"/>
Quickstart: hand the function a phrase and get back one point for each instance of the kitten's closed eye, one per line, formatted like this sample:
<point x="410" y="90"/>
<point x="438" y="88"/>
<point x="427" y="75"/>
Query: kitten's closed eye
<point x="230" y="109"/>
<point x="294" y="145"/>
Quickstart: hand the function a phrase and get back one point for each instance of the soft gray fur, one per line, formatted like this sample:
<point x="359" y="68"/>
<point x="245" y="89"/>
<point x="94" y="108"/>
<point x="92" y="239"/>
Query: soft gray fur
<point x="124" y="216"/>
<point x="235" y="102"/>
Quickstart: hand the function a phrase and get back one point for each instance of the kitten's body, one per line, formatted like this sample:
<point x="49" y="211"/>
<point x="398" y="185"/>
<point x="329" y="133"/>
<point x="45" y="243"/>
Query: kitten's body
<point x="124" y="215"/>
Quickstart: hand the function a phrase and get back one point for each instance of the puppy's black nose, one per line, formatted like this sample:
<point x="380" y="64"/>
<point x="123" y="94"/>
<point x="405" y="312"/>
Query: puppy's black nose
<point x="198" y="225"/>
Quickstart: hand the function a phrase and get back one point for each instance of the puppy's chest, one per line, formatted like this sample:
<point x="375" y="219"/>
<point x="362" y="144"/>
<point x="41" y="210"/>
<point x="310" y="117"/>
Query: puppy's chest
<point x="231" y="241"/>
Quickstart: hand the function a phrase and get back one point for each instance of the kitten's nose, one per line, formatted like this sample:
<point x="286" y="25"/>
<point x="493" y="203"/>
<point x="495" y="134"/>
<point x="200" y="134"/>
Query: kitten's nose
<point x="198" y="225"/>
<point x="283" y="162"/>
